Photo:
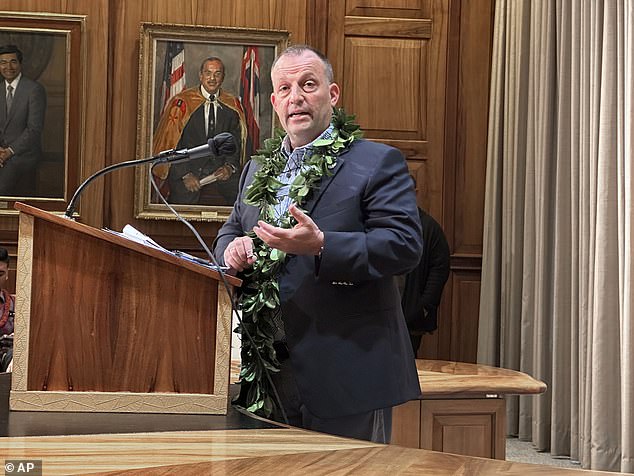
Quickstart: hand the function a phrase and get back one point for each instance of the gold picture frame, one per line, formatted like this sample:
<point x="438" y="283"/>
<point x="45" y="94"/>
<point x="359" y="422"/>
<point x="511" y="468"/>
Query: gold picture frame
<point x="53" y="59"/>
<point x="174" y="55"/>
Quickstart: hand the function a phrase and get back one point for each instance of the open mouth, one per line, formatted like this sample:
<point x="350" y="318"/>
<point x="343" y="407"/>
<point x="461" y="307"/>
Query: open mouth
<point x="297" y="115"/>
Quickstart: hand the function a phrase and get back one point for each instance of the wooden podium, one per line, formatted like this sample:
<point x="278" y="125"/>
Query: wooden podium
<point x="105" y="324"/>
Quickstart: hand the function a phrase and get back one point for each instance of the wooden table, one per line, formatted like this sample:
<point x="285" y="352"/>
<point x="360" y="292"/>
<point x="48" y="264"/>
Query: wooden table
<point x="463" y="410"/>
<point x="142" y="444"/>
<point x="288" y="452"/>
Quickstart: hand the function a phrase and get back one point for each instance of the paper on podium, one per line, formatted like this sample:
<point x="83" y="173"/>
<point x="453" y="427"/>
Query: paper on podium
<point x="133" y="234"/>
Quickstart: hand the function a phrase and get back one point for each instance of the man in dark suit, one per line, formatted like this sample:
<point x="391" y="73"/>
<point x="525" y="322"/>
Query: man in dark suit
<point x="22" y="110"/>
<point x="191" y="118"/>
<point x="344" y="348"/>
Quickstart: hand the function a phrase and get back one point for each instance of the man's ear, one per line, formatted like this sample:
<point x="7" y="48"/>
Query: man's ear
<point x="334" y="93"/>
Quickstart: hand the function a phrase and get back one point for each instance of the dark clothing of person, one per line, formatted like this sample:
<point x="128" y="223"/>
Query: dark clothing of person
<point x="375" y="425"/>
<point x="421" y="288"/>
<point x="226" y="120"/>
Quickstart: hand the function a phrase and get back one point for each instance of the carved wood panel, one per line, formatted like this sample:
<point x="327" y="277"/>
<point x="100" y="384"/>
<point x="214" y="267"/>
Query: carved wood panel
<point x="472" y="427"/>
<point x="460" y="326"/>
<point x="469" y="427"/>
<point x="370" y="84"/>
<point x="390" y="58"/>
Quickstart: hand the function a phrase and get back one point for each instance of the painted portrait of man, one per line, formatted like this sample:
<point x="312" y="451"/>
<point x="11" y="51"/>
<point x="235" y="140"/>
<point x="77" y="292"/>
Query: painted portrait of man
<point x="221" y="95"/>
<point x="32" y="115"/>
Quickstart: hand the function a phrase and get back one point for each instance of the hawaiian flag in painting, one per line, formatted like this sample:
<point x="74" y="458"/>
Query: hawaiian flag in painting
<point x="250" y="97"/>
<point x="173" y="72"/>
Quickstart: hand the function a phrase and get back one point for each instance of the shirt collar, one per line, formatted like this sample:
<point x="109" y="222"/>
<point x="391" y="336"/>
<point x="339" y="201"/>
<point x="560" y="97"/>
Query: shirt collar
<point x="286" y="143"/>
<point x="13" y="83"/>
<point x="206" y="95"/>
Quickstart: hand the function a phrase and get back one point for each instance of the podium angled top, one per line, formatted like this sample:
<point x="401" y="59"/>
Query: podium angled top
<point x="124" y="243"/>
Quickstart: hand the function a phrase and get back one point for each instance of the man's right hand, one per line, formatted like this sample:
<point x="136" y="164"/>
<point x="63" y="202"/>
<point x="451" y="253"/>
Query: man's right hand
<point x="191" y="183"/>
<point x="238" y="254"/>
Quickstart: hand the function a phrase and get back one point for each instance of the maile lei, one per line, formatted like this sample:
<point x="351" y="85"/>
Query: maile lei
<point x="260" y="296"/>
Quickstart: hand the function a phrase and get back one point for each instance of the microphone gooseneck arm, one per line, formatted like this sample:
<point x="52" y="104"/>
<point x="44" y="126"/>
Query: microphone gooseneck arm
<point x="71" y="205"/>
<point x="129" y="163"/>
<point x="218" y="145"/>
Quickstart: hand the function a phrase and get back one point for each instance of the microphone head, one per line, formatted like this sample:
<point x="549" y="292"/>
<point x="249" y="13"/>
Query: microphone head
<point x="222" y="144"/>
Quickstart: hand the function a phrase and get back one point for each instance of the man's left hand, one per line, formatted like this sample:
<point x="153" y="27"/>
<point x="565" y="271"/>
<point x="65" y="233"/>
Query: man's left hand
<point x="305" y="238"/>
<point x="223" y="173"/>
<point x="191" y="182"/>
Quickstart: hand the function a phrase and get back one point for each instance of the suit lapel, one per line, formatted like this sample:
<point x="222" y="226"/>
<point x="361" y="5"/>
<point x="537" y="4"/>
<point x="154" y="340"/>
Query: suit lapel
<point x="326" y="180"/>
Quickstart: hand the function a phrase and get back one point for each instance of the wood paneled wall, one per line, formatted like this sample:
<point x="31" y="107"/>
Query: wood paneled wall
<point x="415" y="72"/>
<point x="464" y="166"/>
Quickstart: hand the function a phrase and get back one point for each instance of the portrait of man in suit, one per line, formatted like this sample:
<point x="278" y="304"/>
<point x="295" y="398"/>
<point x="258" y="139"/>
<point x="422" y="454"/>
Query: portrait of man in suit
<point x="191" y="118"/>
<point x="186" y="72"/>
<point x="22" y="111"/>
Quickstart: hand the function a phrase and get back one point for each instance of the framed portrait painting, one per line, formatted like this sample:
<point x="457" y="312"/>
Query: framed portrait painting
<point x="41" y="91"/>
<point x="196" y="82"/>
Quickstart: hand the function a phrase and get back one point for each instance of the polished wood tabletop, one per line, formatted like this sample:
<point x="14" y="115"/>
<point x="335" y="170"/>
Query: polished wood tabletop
<point x="441" y="377"/>
<point x="251" y="452"/>
<point x="232" y="444"/>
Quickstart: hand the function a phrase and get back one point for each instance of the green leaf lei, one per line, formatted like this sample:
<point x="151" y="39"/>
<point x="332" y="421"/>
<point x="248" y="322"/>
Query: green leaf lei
<point x="260" y="295"/>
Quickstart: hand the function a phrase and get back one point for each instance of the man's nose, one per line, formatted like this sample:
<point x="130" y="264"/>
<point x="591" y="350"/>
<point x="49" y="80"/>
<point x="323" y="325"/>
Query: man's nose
<point x="296" y="94"/>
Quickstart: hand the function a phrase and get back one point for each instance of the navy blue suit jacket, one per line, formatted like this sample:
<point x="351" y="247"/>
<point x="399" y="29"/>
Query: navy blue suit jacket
<point x="348" y="341"/>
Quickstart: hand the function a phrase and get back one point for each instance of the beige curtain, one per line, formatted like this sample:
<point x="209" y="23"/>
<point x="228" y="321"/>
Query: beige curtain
<point x="557" y="290"/>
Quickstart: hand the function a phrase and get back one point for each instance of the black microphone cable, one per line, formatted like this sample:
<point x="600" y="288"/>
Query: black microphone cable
<point x="221" y="272"/>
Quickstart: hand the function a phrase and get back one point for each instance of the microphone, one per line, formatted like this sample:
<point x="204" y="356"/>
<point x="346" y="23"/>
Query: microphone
<point x="219" y="145"/>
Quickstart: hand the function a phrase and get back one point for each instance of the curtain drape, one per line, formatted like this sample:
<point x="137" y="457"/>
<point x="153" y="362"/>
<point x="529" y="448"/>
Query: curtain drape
<point x="556" y="295"/>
